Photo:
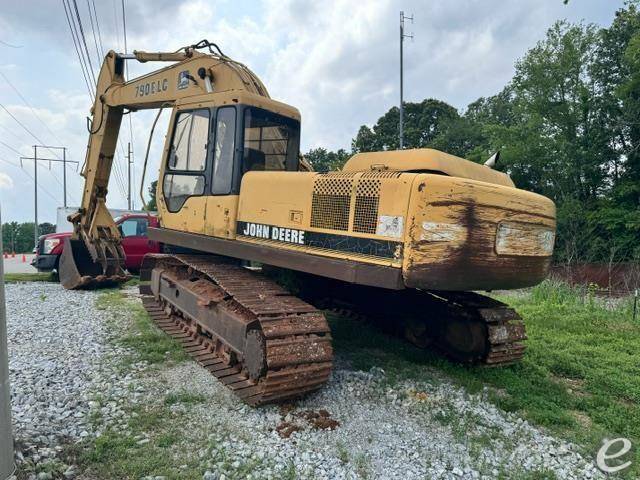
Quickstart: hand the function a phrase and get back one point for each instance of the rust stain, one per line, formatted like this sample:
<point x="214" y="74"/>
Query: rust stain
<point x="468" y="260"/>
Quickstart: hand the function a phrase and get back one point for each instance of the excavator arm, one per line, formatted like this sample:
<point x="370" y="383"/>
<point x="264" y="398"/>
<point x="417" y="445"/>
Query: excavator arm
<point x="93" y="256"/>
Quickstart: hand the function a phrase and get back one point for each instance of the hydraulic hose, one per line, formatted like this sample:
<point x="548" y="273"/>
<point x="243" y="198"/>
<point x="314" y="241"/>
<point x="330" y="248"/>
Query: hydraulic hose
<point x="146" y="157"/>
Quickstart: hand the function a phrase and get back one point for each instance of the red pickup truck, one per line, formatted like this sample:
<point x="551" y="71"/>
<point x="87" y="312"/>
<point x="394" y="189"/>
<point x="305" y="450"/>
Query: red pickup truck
<point x="133" y="228"/>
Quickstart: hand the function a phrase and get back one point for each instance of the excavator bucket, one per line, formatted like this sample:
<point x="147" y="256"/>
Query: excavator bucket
<point x="77" y="269"/>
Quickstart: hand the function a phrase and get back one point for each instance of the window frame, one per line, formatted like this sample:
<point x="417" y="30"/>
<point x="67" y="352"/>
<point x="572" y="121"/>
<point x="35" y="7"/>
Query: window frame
<point x="291" y="165"/>
<point x="175" y="131"/>
<point x="137" y="221"/>
<point x="205" y="174"/>
<point x="235" y="160"/>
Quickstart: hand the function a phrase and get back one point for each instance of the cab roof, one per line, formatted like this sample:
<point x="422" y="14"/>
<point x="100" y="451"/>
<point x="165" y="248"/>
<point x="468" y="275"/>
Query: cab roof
<point x="235" y="97"/>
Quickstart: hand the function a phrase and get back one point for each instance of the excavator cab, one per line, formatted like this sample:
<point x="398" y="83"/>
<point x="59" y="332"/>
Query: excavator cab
<point x="208" y="150"/>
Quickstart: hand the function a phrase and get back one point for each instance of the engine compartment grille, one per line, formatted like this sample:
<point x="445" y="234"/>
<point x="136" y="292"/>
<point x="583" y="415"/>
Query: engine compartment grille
<point x="365" y="219"/>
<point x="331" y="201"/>
<point x="339" y="196"/>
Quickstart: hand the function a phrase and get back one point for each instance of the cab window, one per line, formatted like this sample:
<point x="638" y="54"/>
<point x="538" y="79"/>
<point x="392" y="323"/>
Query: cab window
<point x="271" y="141"/>
<point x="189" y="146"/>
<point x="225" y="143"/>
<point x="187" y="158"/>
<point x="134" y="227"/>
<point x="178" y="188"/>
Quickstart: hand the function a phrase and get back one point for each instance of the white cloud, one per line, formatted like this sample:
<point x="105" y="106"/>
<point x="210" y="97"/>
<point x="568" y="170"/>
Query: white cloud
<point x="6" y="182"/>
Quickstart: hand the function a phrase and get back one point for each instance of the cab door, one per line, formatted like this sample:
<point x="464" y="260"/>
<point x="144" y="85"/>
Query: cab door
<point x="222" y="204"/>
<point x="183" y="186"/>
<point x="135" y="243"/>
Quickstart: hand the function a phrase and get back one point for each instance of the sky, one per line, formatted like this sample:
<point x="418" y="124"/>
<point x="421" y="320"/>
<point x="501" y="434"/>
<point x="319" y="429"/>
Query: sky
<point x="337" y="61"/>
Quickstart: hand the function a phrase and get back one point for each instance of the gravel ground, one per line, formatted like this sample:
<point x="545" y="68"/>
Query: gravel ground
<point x="57" y="342"/>
<point x="64" y="374"/>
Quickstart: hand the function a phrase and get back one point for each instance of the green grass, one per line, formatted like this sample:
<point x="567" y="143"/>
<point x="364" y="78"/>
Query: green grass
<point x="29" y="277"/>
<point x="184" y="397"/>
<point x="121" y="455"/>
<point x="580" y="377"/>
<point x="148" y="343"/>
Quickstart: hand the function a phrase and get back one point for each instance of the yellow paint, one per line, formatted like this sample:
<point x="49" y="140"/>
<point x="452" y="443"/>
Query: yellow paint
<point x="221" y="216"/>
<point x="426" y="159"/>
<point x="430" y="205"/>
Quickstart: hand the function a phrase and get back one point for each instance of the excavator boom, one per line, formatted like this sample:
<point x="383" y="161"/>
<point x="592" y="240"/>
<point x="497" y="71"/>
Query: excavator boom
<point x="93" y="256"/>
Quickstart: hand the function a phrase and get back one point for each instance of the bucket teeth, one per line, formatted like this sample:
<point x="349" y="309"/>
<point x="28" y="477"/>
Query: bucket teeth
<point x="79" y="271"/>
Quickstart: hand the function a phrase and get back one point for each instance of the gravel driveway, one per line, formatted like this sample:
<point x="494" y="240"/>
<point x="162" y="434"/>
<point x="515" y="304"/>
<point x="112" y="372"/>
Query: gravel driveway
<point x="359" y="426"/>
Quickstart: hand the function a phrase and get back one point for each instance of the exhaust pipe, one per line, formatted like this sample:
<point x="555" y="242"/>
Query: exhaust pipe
<point x="77" y="270"/>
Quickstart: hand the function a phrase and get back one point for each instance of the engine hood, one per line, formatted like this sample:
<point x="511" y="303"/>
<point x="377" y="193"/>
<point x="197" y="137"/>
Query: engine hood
<point x="426" y="160"/>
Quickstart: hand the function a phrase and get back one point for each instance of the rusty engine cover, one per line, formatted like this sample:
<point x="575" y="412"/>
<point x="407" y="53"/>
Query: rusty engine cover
<point x="470" y="235"/>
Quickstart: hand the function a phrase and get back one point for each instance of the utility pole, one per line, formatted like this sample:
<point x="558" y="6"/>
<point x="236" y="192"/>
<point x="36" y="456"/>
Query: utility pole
<point x="64" y="168"/>
<point x="35" y="159"/>
<point x="6" y="436"/>
<point x="403" y="17"/>
<point x="35" y="191"/>
<point x="129" y="175"/>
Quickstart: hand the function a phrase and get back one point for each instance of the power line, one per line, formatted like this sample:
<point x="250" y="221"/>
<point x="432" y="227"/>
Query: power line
<point x="75" y="44"/>
<point x="34" y="136"/>
<point x="124" y="30"/>
<point x="9" y="45"/>
<point x="30" y="176"/>
<point x="21" y="124"/>
<point x="115" y="24"/>
<point x="95" y="13"/>
<point x="24" y="100"/>
<point x="119" y="176"/>
<point x="84" y="41"/>
<point x="26" y="129"/>
<point x="93" y="30"/>
<point x="13" y="134"/>
<point x="10" y="147"/>
<point x="55" y="177"/>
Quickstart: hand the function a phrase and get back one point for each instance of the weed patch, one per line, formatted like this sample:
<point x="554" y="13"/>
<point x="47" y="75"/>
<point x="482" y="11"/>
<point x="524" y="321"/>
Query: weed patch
<point x="29" y="277"/>
<point x="148" y="343"/>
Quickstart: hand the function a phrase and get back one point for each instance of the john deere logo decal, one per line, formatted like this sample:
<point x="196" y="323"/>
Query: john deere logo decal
<point x="183" y="79"/>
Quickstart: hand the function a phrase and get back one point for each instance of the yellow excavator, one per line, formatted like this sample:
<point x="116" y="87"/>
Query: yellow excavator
<point x="401" y="236"/>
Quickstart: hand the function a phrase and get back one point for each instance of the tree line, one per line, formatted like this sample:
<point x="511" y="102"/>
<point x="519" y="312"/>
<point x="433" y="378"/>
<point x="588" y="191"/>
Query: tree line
<point x="567" y="126"/>
<point x="18" y="237"/>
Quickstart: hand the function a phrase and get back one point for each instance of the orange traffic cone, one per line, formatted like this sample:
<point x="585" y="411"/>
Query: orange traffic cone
<point x="24" y="258"/>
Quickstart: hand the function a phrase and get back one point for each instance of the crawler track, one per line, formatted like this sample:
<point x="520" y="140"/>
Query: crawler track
<point x="495" y="324"/>
<point x="464" y="326"/>
<point x="287" y="350"/>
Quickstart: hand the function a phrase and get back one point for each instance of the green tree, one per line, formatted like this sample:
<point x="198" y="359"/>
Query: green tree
<point x="423" y="122"/>
<point x="9" y="231"/>
<point x="323" y="160"/>
<point x="151" y="204"/>
<point x="46" y="228"/>
<point x="617" y="71"/>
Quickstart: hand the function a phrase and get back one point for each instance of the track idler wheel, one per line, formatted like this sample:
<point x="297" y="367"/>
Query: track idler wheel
<point x="464" y="340"/>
